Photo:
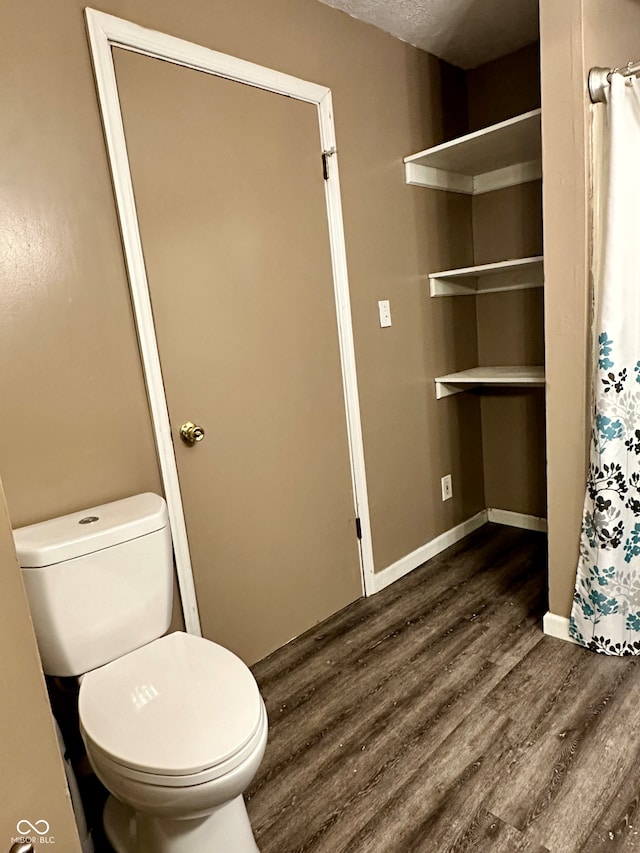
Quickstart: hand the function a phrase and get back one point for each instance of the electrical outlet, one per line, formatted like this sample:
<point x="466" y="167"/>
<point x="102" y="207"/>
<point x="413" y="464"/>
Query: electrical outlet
<point x="447" y="487"/>
<point x="384" y="309"/>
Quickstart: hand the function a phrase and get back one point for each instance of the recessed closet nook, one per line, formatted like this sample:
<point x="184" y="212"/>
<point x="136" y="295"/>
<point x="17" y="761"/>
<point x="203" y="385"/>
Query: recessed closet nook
<point x="490" y="295"/>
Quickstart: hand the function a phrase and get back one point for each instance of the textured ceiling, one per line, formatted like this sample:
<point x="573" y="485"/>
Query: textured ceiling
<point x="466" y="33"/>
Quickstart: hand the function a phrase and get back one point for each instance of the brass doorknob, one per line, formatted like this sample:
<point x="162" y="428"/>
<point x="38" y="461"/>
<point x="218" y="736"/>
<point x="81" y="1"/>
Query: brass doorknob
<point x="190" y="433"/>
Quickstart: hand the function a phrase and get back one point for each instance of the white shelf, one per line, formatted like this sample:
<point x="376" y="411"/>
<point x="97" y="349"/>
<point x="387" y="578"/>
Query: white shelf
<point x="501" y="155"/>
<point x="518" y="274"/>
<point x="514" y="377"/>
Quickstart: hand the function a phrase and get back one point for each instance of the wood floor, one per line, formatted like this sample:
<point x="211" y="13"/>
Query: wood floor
<point x="437" y="717"/>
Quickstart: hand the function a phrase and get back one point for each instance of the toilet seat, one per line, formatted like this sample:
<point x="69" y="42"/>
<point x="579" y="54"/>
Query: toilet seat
<point x="106" y="762"/>
<point x="177" y="712"/>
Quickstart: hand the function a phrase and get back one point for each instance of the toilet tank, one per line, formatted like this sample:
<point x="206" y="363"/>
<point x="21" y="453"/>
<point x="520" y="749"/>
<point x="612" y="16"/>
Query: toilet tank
<point x="99" y="582"/>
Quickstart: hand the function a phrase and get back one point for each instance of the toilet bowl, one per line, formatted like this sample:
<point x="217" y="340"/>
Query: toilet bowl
<point x="175" y="731"/>
<point x="174" y="725"/>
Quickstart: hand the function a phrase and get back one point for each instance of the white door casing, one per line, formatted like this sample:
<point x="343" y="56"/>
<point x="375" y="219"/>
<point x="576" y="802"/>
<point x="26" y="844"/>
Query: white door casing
<point x="105" y="33"/>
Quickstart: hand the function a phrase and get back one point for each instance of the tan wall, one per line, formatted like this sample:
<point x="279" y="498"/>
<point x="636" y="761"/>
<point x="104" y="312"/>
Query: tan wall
<point x="565" y="231"/>
<point x="75" y="429"/>
<point x="508" y="224"/>
<point x="575" y="35"/>
<point x="32" y="781"/>
<point x="611" y="33"/>
<point x="504" y="87"/>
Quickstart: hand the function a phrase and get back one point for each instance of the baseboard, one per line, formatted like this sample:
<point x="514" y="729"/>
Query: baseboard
<point x="557" y="626"/>
<point x="517" y="519"/>
<point x="425" y="552"/>
<point x="431" y="549"/>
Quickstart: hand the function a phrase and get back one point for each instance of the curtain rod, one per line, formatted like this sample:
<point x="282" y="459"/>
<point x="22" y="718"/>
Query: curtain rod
<point x="599" y="79"/>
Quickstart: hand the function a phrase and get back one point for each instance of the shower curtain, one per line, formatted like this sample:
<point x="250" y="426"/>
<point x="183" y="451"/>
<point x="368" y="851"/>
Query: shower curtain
<point x="606" y="607"/>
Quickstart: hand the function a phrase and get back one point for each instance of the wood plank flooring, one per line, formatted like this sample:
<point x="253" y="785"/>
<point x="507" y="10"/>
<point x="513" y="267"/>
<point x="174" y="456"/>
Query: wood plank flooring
<point x="437" y="717"/>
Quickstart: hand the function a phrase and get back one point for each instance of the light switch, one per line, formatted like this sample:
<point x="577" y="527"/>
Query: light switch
<point x="384" y="310"/>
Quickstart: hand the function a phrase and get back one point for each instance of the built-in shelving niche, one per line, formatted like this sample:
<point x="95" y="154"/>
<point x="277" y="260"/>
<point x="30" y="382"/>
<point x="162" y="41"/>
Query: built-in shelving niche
<point x="502" y="155"/>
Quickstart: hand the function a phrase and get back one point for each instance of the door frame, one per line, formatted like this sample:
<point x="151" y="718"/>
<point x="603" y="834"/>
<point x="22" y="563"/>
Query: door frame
<point x="106" y="32"/>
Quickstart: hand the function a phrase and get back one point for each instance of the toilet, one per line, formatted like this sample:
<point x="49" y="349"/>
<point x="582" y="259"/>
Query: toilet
<point x="174" y="725"/>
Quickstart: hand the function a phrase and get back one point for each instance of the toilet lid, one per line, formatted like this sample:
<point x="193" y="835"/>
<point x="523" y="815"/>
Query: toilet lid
<point x="176" y="706"/>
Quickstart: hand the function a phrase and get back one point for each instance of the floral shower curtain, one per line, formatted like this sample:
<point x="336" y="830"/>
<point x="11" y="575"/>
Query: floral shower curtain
<point x="606" y="605"/>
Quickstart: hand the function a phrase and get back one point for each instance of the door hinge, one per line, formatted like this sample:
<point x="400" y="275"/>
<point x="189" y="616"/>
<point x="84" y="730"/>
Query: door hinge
<point x="325" y="162"/>
<point x="358" y="528"/>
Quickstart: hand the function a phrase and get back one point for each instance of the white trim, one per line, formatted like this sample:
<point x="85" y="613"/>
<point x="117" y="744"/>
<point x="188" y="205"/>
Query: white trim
<point x="106" y="31"/>
<point x="345" y="335"/>
<point x="558" y="627"/>
<point x="111" y="31"/>
<point x="425" y="552"/>
<point x="517" y="519"/>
